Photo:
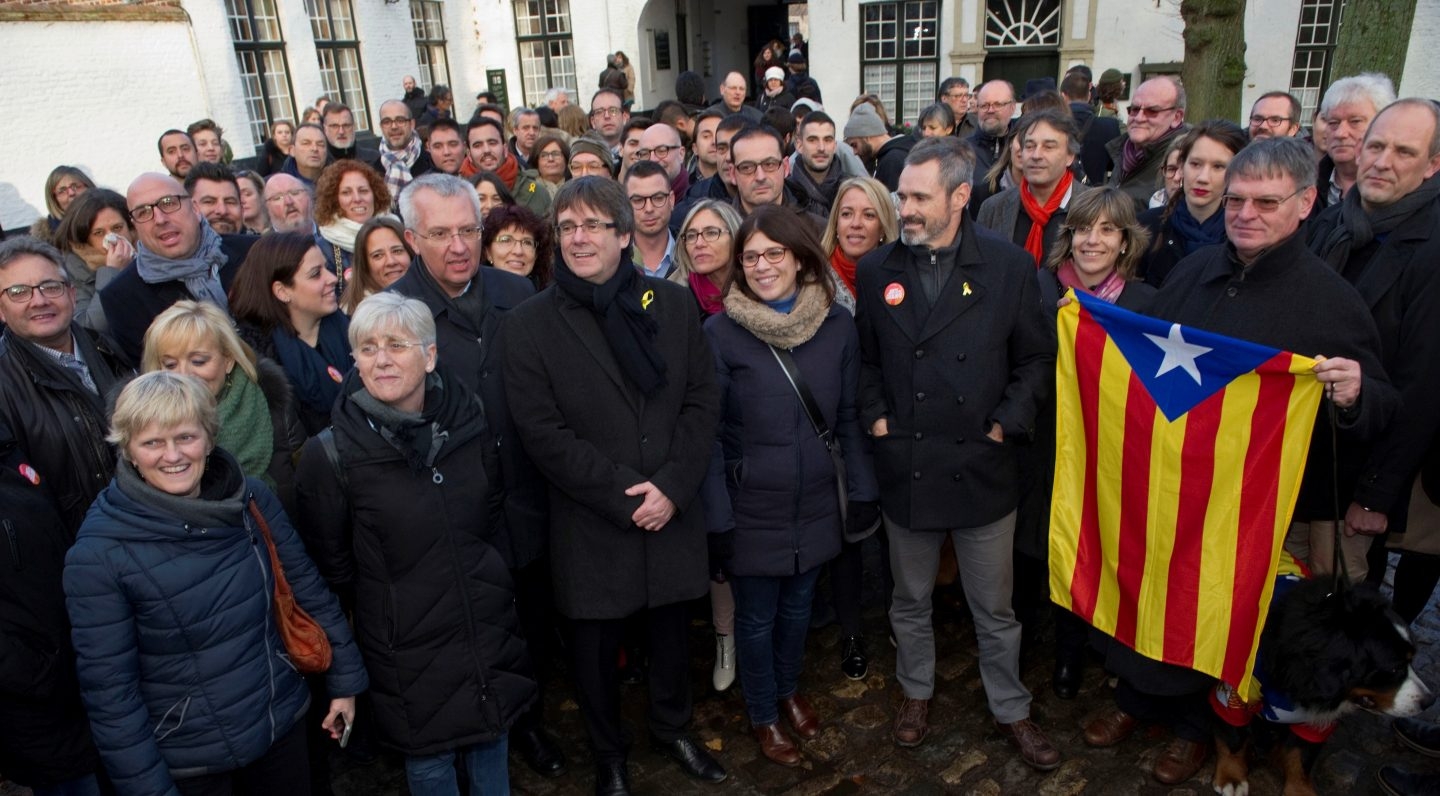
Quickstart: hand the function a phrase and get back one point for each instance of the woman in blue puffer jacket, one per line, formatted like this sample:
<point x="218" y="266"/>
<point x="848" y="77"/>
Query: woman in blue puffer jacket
<point x="170" y="593"/>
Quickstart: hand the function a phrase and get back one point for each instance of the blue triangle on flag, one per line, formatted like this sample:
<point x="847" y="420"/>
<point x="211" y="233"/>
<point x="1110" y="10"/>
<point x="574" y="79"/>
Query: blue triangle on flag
<point x="1180" y="366"/>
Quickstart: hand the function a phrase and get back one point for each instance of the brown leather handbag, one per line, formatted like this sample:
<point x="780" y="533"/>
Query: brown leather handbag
<point x="305" y="640"/>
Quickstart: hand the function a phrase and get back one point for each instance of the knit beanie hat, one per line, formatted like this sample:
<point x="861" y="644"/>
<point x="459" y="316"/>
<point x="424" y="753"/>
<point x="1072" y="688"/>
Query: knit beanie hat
<point x="1110" y="77"/>
<point x="594" y="147"/>
<point x="774" y="73"/>
<point x="864" y="122"/>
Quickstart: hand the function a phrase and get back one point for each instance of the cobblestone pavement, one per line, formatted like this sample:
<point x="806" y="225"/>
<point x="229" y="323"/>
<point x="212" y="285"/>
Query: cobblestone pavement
<point x="963" y="754"/>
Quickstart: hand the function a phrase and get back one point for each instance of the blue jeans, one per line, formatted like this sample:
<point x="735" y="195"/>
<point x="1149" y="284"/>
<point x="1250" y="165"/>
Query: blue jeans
<point x="487" y="763"/>
<point x="772" y="616"/>
<point x="87" y="785"/>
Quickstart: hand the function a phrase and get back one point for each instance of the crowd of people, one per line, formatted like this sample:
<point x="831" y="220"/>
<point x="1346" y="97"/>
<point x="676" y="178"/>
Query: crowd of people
<point x="524" y="388"/>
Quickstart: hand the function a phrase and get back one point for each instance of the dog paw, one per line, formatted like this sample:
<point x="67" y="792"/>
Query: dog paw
<point x="1241" y="788"/>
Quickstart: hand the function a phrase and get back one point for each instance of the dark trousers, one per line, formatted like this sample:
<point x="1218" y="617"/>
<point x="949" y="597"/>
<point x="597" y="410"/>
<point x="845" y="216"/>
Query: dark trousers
<point x="1188" y="715"/>
<point x="534" y="606"/>
<point x="596" y="647"/>
<point x="772" y="617"/>
<point x="282" y="769"/>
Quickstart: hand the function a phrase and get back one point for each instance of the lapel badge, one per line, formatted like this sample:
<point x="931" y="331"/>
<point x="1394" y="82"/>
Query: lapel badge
<point x="645" y="299"/>
<point x="30" y="474"/>
<point x="894" y="294"/>
<point x="965" y="289"/>
<point x="335" y="375"/>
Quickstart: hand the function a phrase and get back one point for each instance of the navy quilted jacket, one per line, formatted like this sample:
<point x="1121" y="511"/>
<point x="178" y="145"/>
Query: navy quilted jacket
<point x="181" y="667"/>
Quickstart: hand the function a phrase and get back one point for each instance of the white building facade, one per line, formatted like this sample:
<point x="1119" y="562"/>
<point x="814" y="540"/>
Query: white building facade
<point x="93" y="83"/>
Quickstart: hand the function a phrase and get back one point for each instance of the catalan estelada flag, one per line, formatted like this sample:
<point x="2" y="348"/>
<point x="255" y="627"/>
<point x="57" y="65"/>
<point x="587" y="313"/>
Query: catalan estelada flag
<point x="1178" y="459"/>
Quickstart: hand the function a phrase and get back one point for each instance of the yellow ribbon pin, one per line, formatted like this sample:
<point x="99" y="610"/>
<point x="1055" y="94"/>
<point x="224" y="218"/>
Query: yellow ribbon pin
<point x="645" y="299"/>
<point x="965" y="289"/>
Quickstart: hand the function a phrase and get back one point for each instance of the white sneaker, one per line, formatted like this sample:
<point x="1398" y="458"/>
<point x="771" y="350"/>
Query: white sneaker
<point x="724" y="675"/>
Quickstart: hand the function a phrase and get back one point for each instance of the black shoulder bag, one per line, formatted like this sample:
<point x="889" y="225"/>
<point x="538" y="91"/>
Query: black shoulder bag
<point x="827" y="437"/>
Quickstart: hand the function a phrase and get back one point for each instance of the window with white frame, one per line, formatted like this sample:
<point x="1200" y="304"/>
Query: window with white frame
<point x="900" y="55"/>
<point x="429" y="26"/>
<point x="338" y="49"/>
<point x="260" y="54"/>
<point x="547" y="52"/>
<point x="1314" y="53"/>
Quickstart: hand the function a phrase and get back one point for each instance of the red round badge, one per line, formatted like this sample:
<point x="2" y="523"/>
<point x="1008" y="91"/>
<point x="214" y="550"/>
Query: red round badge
<point x="335" y="375"/>
<point x="30" y="474"/>
<point x="894" y="293"/>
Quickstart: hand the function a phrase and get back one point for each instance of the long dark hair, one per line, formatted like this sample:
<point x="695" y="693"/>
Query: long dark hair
<point x="362" y="280"/>
<point x="1223" y="132"/>
<point x="793" y="231"/>
<point x="274" y="258"/>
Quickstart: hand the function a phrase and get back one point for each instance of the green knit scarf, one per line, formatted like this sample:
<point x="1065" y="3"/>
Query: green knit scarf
<point x="245" y="427"/>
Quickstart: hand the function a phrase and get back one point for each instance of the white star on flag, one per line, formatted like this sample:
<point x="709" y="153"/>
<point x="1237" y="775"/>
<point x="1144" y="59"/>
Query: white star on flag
<point x="1178" y="353"/>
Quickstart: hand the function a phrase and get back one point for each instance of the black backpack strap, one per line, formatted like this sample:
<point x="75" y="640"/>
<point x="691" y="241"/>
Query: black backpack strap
<point x="332" y="455"/>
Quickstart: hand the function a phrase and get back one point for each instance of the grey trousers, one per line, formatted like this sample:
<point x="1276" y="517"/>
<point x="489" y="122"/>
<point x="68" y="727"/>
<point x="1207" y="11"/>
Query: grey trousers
<point x="984" y="556"/>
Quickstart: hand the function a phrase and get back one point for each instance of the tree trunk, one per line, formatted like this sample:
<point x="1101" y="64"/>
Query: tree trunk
<point x="1214" y="69"/>
<point x="1374" y="35"/>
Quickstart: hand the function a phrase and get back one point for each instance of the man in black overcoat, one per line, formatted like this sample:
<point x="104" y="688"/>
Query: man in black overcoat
<point x="612" y="388"/>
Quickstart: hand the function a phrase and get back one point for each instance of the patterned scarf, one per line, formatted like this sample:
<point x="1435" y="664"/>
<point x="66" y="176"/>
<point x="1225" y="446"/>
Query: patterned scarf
<point x="200" y="271"/>
<point x="1107" y="291"/>
<point x="397" y="167"/>
<point x="1040" y="216"/>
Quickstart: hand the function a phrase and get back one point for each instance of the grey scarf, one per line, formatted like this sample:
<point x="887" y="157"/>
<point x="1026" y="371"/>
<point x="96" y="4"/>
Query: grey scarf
<point x="221" y="503"/>
<point x="1357" y="228"/>
<point x="200" y="272"/>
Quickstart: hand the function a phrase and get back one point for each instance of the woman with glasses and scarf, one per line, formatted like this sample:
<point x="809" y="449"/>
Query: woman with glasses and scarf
<point x="771" y="493"/>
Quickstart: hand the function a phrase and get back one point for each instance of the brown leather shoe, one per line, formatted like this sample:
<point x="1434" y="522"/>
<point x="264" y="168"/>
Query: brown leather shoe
<point x="797" y="710"/>
<point x="911" y="724"/>
<point x="1180" y="760"/>
<point x="776" y="745"/>
<point x="1111" y="728"/>
<point x="1027" y="736"/>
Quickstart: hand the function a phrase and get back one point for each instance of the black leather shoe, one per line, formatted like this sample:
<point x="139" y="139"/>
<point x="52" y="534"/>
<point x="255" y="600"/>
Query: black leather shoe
<point x="1420" y="735"/>
<point x="692" y="758"/>
<point x="852" y="658"/>
<point x="1397" y="781"/>
<point x="611" y="779"/>
<point x="1067" y="679"/>
<point x="540" y="752"/>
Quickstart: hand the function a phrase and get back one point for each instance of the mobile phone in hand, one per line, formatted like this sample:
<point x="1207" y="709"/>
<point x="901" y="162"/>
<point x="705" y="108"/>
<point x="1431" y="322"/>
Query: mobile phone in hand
<point x="345" y="728"/>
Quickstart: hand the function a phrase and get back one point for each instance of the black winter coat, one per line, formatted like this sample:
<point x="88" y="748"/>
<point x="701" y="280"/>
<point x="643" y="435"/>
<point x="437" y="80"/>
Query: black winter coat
<point x="59" y="425"/>
<point x="1289" y="299"/>
<point x="1399" y="281"/>
<point x="593" y="435"/>
<point x="130" y="303"/>
<point x="473" y="356"/>
<point x="434" y="604"/>
<point x="287" y="432"/>
<point x="890" y="160"/>
<point x="940" y="377"/>
<point x="1095" y="133"/>
<point x="44" y="733"/>
<point x="771" y="479"/>
<point x="1164" y="250"/>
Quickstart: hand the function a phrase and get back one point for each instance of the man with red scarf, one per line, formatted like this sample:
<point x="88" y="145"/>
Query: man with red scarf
<point x="1157" y="116"/>
<point x="1032" y="213"/>
<point x="485" y="140"/>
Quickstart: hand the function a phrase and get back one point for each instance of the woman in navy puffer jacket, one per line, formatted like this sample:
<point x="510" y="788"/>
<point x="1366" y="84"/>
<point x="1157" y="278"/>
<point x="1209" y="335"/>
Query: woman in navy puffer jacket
<point x="170" y="593"/>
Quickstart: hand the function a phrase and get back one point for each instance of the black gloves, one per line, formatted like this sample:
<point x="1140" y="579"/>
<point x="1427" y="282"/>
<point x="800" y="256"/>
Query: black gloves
<point x="862" y="520"/>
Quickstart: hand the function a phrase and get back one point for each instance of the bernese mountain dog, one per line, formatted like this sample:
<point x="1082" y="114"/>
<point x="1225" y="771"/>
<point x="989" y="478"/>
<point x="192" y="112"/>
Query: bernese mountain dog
<point x="1323" y="653"/>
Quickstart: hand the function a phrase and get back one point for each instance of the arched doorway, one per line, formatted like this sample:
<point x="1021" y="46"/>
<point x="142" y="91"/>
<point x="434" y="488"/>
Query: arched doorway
<point x="1022" y="40"/>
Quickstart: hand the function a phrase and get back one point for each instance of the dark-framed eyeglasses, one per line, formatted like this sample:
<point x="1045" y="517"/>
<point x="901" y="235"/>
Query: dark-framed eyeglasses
<point x="710" y="234"/>
<point x="167" y="204"/>
<point x="390" y="121"/>
<point x="656" y="199"/>
<point x="772" y="255"/>
<point x="1142" y="110"/>
<point x="1270" y="121"/>
<point x="50" y="288"/>
<point x="661" y="152"/>
<point x="768" y="165"/>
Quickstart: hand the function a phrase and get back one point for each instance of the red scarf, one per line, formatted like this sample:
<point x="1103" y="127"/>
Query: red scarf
<point x="845" y="267"/>
<point x="508" y="171"/>
<point x="711" y="299"/>
<point x="1040" y="216"/>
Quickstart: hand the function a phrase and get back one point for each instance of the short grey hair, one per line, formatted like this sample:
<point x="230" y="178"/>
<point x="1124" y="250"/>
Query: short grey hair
<point x="956" y="159"/>
<point x="553" y="94"/>
<point x="13" y="249"/>
<point x="165" y="399"/>
<point x="384" y="310"/>
<point x="1371" y="87"/>
<point x="443" y="185"/>
<point x="1274" y="157"/>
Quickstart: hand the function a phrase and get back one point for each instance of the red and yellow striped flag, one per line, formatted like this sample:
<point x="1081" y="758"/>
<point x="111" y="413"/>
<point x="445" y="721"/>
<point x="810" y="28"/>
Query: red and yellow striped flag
<point x="1178" y="459"/>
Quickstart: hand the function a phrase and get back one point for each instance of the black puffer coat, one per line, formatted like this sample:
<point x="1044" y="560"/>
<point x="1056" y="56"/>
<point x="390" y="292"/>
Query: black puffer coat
<point x="434" y="604"/>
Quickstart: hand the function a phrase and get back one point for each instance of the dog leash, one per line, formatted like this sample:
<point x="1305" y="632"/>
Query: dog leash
<point x="1338" y="569"/>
